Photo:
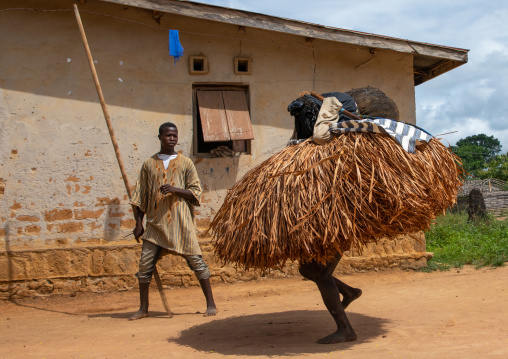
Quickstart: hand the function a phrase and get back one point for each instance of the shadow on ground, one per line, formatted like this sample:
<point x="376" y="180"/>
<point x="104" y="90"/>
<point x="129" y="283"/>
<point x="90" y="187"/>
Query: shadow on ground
<point x="282" y="333"/>
<point x="33" y="306"/>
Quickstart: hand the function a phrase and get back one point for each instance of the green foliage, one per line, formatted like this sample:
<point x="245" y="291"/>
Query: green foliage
<point x="473" y="158"/>
<point x="456" y="242"/>
<point x="490" y="145"/>
<point x="496" y="168"/>
<point x="476" y="151"/>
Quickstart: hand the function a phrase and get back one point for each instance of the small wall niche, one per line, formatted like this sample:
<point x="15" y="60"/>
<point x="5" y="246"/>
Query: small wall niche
<point x="243" y="66"/>
<point x="198" y="65"/>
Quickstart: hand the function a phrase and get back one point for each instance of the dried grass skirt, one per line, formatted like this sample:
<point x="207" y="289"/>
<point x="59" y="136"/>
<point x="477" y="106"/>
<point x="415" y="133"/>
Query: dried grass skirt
<point x="311" y="201"/>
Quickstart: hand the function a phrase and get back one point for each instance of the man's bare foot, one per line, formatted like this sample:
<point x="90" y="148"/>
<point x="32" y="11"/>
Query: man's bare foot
<point x="210" y="312"/>
<point x="351" y="295"/>
<point x="338" y="337"/>
<point x="138" y="315"/>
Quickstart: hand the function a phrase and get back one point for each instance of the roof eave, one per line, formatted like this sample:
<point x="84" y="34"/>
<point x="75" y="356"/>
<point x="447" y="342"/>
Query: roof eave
<point x="446" y="58"/>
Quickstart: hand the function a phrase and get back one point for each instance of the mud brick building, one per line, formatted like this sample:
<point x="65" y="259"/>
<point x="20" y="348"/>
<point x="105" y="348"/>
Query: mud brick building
<point x="64" y="213"/>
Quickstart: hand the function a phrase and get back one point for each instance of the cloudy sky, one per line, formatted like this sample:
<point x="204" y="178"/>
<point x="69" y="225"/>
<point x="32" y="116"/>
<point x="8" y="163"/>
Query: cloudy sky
<point x="471" y="99"/>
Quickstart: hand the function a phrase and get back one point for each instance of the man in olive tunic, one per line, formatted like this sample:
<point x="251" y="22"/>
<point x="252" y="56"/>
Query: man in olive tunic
<point x="166" y="191"/>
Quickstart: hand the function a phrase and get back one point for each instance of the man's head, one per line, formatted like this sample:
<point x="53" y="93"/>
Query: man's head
<point x="168" y="136"/>
<point x="167" y="124"/>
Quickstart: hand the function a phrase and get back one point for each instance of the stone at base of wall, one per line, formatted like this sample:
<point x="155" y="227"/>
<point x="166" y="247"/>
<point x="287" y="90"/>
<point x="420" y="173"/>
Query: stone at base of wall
<point x="44" y="272"/>
<point x="415" y="260"/>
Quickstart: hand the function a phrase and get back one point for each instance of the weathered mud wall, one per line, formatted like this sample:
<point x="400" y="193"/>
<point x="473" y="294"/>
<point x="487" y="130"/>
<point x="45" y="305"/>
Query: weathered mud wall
<point x="112" y="267"/>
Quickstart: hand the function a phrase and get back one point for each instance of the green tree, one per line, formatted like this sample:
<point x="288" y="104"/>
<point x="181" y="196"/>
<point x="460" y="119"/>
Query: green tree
<point x="475" y="151"/>
<point x="490" y="145"/>
<point x="497" y="168"/>
<point x="473" y="158"/>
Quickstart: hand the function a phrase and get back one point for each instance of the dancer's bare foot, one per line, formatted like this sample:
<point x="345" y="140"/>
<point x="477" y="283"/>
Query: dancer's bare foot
<point x="349" y="296"/>
<point x="338" y="337"/>
<point x="210" y="311"/>
<point x="138" y="315"/>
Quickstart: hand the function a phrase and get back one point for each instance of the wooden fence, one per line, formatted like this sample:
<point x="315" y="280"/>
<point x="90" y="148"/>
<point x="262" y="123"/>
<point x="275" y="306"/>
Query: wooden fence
<point x="495" y="194"/>
<point x="486" y="185"/>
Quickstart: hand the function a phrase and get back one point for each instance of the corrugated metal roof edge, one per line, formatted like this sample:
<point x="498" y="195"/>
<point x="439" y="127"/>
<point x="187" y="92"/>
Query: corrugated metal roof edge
<point x="367" y="33"/>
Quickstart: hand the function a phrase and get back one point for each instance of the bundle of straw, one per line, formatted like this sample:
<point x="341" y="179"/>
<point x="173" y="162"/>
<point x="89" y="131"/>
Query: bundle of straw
<point x="311" y="201"/>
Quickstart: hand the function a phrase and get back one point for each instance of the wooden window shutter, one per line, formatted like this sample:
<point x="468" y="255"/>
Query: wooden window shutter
<point x="237" y="114"/>
<point x="213" y="116"/>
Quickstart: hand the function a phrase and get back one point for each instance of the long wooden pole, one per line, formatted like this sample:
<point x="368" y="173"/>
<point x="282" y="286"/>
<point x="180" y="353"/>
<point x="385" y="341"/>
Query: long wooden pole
<point x="115" y="145"/>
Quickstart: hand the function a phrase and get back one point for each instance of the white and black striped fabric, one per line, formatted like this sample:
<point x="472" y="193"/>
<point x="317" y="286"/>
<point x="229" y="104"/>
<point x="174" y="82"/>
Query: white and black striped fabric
<point x="408" y="136"/>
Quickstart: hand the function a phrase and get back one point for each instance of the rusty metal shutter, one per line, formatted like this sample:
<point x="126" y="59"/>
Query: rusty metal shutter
<point x="213" y="116"/>
<point x="237" y="114"/>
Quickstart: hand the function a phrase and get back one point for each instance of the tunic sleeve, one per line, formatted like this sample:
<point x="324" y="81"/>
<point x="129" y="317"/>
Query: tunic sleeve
<point x="192" y="183"/>
<point x="140" y="195"/>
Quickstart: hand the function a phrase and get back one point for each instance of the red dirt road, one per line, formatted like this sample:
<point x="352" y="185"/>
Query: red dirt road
<point x="457" y="314"/>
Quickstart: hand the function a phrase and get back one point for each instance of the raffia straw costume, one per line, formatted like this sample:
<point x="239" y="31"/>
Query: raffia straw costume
<point x="311" y="202"/>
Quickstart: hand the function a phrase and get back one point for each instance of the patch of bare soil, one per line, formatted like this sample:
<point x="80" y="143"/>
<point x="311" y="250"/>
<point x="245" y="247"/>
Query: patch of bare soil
<point x="456" y="314"/>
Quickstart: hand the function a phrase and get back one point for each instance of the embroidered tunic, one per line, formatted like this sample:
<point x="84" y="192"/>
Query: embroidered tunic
<point x="169" y="218"/>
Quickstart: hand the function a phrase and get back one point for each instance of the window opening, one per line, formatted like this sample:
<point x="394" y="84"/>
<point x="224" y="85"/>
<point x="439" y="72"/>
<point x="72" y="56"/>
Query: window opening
<point x="243" y="66"/>
<point x="198" y="65"/>
<point x="222" y="119"/>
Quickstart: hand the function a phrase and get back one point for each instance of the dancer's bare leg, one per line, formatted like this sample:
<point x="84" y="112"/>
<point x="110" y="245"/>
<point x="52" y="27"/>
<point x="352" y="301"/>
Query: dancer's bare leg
<point x="322" y="276"/>
<point x="348" y="293"/>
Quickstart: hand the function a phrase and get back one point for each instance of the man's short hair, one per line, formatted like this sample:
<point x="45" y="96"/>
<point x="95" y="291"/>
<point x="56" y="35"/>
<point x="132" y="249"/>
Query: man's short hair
<point x="166" y="124"/>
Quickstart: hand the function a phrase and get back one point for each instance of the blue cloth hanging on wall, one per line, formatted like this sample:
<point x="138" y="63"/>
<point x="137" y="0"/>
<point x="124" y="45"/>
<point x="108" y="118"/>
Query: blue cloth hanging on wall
<point x="175" y="48"/>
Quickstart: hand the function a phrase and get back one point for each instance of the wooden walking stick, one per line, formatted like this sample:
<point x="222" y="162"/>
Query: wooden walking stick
<point x="115" y="146"/>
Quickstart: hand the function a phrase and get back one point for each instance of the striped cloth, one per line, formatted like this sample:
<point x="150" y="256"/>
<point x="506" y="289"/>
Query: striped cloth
<point x="408" y="136"/>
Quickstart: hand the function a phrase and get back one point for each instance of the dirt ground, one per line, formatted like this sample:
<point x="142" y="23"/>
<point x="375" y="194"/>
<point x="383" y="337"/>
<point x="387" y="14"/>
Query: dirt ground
<point x="457" y="314"/>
